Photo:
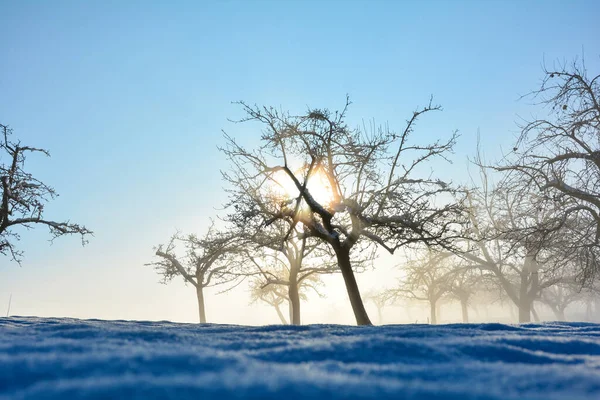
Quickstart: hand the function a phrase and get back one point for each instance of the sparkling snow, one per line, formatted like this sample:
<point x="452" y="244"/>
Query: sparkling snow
<point x="62" y="358"/>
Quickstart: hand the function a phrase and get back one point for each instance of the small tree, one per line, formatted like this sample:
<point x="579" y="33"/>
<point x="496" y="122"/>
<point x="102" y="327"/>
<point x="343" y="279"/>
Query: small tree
<point x="205" y="263"/>
<point x="298" y="262"/>
<point x="273" y="295"/>
<point x="463" y="281"/>
<point x="380" y="300"/>
<point x="427" y="278"/>
<point x="272" y="286"/>
<point x="347" y="188"/>
<point x="23" y="198"/>
<point x="560" y="296"/>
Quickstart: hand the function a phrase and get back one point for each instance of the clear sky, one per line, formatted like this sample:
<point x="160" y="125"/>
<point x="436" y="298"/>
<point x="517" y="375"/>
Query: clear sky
<point x="130" y="97"/>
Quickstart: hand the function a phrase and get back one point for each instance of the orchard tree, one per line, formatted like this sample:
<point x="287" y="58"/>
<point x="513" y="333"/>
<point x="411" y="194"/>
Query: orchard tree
<point x="559" y="152"/>
<point x="560" y="296"/>
<point x="426" y="278"/>
<point x="380" y="299"/>
<point x="205" y="262"/>
<point x="463" y="282"/>
<point x="294" y="263"/>
<point x="345" y="187"/>
<point x="517" y="236"/>
<point x="273" y="295"/>
<point x="24" y="197"/>
<point x="272" y="286"/>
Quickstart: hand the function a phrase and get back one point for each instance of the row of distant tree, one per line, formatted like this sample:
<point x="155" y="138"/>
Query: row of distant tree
<point x="317" y="196"/>
<point x="436" y="278"/>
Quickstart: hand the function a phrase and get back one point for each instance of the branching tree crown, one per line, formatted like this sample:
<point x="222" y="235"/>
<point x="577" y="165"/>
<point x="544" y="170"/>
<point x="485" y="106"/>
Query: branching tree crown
<point x="374" y="196"/>
<point x="206" y="261"/>
<point x="517" y="237"/>
<point x="560" y="152"/>
<point x="23" y="198"/>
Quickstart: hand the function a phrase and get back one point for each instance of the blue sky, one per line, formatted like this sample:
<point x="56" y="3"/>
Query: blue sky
<point x="130" y="97"/>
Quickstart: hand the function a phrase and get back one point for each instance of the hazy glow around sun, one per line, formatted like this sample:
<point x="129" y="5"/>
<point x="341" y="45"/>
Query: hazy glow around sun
<point x="319" y="187"/>
<point x="284" y="188"/>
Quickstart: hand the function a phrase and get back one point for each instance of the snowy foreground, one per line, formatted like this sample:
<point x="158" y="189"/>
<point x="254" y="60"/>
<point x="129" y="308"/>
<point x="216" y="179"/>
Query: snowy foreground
<point x="60" y="358"/>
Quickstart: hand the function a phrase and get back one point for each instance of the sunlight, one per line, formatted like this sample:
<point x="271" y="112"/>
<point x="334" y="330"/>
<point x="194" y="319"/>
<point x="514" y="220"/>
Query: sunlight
<point x="283" y="187"/>
<point x="319" y="187"/>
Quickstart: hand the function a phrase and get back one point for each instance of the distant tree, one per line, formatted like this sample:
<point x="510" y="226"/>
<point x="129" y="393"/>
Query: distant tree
<point x="516" y="236"/>
<point x="273" y="295"/>
<point x="463" y="282"/>
<point x="559" y="297"/>
<point x="294" y="263"/>
<point x="380" y="299"/>
<point x="426" y="278"/>
<point x="560" y="153"/>
<point x="24" y="197"/>
<point x="591" y="299"/>
<point x="347" y="188"/>
<point x="205" y="262"/>
<point x="272" y="286"/>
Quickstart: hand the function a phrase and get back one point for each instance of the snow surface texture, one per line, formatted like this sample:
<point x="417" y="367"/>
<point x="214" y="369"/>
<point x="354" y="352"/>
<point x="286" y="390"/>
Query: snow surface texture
<point x="60" y="358"/>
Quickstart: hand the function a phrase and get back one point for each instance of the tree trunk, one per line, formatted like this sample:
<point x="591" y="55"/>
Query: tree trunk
<point x="432" y="313"/>
<point x="524" y="302"/>
<point x="294" y="296"/>
<point x="201" y="311"/>
<point x="380" y="315"/>
<point x="465" y="311"/>
<point x="536" y="317"/>
<point x="294" y="304"/>
<point x="524" y="310"/>
<point x="343" y="259"/>
<point x="280" y="314"/>
<point x="529" y="277"/>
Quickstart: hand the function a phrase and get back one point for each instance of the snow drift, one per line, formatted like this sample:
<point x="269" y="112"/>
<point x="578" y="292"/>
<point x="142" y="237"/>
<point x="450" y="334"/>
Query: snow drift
<point x="60" y="358"/>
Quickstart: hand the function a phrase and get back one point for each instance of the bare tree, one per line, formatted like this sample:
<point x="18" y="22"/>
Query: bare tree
<point x="516" y="235"/>
<point x="346" y="187"/>
<point x="272" y="286"/>
<point x="24" y="198"/>
<point x="206" y="262"/>
<point x="426" y="278"/>
<point x="463" y="283"/>
<point x="560" y="152"/>
<point x="380" y="300"/>
<point x="560" y="296"/>
<point x="273" y="295"/>
<point x="299" y="262"/>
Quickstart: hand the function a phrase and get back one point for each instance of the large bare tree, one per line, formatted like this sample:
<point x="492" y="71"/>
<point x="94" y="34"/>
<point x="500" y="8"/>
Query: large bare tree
<point x="205" y="261"/>
<point x="559" y="153"/>
<point x="23" y="197"/>
<point x="348" y="188"/>
<point x="517" y="237"/>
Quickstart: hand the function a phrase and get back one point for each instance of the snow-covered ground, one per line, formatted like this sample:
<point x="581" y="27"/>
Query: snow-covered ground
<point x="61" y="358"/>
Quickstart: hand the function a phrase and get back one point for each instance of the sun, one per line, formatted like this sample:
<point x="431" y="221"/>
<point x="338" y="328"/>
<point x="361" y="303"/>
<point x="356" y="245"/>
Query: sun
<point x="320" y="188"/>
<point x="283" y="187"/>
